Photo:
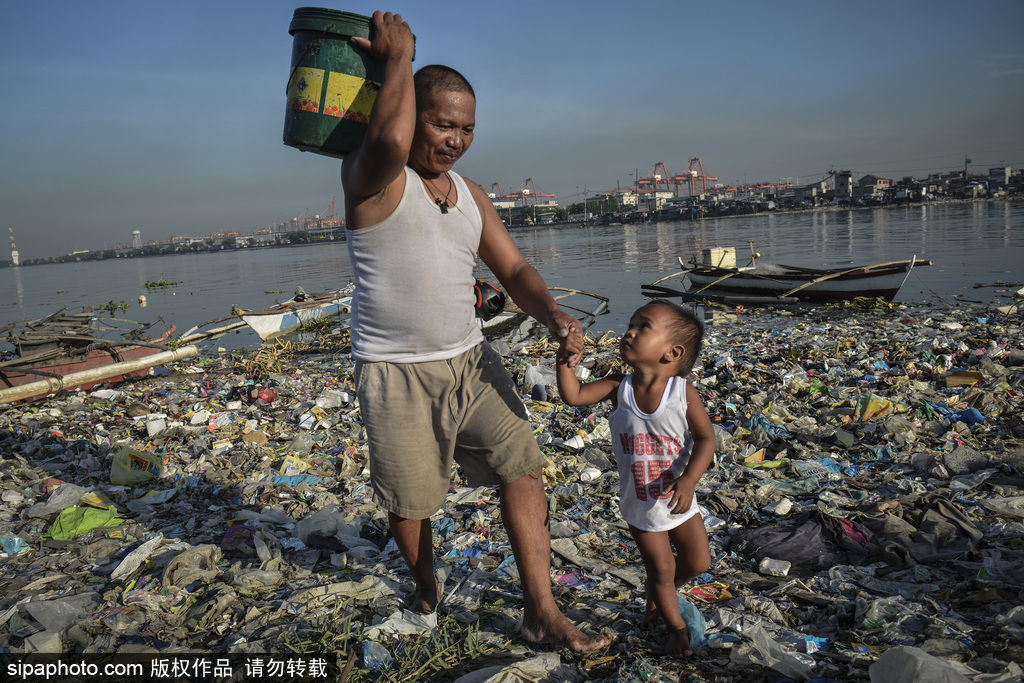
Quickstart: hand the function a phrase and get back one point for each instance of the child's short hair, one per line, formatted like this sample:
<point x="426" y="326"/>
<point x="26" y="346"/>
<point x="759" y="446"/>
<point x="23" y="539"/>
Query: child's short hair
<point x="686" y="329"/>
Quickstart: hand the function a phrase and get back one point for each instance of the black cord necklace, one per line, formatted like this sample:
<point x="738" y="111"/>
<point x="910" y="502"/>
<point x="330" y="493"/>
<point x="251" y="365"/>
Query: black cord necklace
<point x="443" y="204"/>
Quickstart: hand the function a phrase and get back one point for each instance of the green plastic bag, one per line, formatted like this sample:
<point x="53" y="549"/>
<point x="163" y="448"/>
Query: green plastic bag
<point x="80" y="520"/>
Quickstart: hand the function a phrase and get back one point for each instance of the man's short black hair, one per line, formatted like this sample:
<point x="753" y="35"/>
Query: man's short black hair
<point x="433" y="77"/>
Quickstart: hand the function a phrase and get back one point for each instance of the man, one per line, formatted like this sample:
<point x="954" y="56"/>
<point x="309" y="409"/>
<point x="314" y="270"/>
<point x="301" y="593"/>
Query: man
<point x="430" y="390"/>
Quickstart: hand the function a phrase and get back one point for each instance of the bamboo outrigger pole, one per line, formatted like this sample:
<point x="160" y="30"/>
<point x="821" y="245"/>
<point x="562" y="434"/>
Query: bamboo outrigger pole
<point x="52" y="385"/>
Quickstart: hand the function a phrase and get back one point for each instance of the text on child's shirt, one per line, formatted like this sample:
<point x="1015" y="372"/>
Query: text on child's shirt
<point x="651" y="477"/>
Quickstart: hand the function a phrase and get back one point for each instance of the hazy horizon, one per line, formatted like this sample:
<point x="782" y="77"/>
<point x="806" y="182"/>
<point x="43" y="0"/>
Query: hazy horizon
<point x="167" y="119"/>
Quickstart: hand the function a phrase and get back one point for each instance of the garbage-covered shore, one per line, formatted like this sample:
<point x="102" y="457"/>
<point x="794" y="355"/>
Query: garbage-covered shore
<point x="865" y="512"/>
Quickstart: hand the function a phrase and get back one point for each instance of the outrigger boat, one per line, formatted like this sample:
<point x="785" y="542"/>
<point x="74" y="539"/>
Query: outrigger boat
<point x="64" y="351"/>
<point x="284" y="318"/>
<point x="281" y="318"/>
<point x="718" y="279"/>
<point x="512" y="316"/>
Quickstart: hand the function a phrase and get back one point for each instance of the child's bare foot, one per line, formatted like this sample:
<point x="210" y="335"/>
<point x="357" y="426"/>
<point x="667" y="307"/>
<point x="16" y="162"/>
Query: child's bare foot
<point x="678" y="643"/>
<point x="558" y="630"/>
<point x="424" y="599"/>
<point x="651" y="615"/>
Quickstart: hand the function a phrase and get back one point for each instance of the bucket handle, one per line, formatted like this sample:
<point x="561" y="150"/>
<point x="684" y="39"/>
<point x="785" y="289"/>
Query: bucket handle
<point x="309" y="49"/>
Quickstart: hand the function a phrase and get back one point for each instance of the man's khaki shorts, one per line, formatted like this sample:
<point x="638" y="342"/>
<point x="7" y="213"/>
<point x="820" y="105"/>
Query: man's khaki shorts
<point x="420" y="417"/>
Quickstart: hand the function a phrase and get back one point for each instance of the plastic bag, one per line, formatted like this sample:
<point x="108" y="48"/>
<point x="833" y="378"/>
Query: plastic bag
<point x="695" y="624"/>
<point x="131" y="467"/>
<point x="539" y="374"/>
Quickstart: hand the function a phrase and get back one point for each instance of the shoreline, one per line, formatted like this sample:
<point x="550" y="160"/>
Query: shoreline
<point x="785" y="212"/>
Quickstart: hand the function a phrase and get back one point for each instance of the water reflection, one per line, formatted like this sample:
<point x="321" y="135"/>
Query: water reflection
<point x="18" y="286"/>
<point x="1007" y="224"/>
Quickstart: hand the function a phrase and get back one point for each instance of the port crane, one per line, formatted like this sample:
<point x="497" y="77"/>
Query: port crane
<point x="329" y="211"/>
<point x="694" y="178"/>
<point x="656" y="180"/>
<point x="529" y="190"/>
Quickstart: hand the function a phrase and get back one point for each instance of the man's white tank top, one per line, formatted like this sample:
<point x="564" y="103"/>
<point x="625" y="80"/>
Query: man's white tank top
<point x="652" y="450"/>
<point x="413" y="299"/>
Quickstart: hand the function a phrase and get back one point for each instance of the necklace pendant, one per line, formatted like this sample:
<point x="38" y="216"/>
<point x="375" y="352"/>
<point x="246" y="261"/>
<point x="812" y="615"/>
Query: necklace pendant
<point x="444" y="207"/>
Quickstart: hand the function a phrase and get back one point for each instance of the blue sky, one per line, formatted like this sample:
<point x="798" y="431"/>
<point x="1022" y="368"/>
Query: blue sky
<point x="167" y="117"/>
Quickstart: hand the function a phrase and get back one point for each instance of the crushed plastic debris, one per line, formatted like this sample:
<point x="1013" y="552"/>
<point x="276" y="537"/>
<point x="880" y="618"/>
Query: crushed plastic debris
<point x="865" y="511"/>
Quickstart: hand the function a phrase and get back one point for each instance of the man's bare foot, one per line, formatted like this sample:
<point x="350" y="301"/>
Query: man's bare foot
<point x="424" y="599"/>
<point x="678" y="643"/>
<point x="558" y="630"/>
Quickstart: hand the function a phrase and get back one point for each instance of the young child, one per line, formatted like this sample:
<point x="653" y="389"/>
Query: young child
<point x="663" y="442"/>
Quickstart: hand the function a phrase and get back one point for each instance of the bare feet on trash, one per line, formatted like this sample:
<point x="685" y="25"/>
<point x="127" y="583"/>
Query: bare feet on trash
<point x="424" y="599"/>
<point x="678" y="643"/>
<point x="652" y="614"/>
<point x="558" y="630"/>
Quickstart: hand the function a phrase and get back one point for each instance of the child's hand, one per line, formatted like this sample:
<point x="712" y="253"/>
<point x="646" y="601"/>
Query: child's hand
<point x="682" y="496"/>
<point x="562" y="355"/>
<point x="569" y="333"/>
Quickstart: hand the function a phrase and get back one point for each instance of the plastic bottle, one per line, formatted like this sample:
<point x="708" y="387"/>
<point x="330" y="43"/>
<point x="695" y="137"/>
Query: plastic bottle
<point x="376" y="656"/>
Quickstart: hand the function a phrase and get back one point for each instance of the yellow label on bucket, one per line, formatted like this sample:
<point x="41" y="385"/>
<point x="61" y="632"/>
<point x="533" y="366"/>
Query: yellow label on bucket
<point x="304" y="89"/>
<point x="350" y="97"/>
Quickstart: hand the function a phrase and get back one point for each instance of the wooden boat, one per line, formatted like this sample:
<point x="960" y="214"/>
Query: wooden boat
<point x="286" y="317"/>
<point x="769" y="283"/>
<point x="83" y="364"/>
<point x="37" y="336"/>
<point x="512" y="316"/>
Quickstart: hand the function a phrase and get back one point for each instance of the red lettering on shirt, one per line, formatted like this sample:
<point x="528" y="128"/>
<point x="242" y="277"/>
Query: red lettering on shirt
<point x="639" y="475"/>
<point x="651" y="478"/>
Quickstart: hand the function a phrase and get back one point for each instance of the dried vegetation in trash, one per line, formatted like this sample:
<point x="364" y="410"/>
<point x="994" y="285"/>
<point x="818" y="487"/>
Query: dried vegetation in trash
<point x="865" y="512"/>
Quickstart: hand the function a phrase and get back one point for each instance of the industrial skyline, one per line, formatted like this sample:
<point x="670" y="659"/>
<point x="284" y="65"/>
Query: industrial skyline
<point x="168" y="118"/>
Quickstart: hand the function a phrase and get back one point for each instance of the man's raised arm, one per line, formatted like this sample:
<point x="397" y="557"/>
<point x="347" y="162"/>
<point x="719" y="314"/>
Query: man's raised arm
<point x="385" y="149"/>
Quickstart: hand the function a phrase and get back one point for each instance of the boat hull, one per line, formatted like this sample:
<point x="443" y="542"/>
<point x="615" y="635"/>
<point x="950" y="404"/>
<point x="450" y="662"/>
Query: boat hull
<point x="873" y="282"/>
<point x="70" y="364"/>
<point x="276" y="322"/>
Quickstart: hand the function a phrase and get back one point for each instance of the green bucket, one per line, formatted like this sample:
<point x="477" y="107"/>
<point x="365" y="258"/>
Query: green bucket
<point x="332" y="84"/>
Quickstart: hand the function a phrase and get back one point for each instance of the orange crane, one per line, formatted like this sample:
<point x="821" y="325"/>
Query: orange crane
<point x="327" y="220"/>
<point x="529" y="190"/>
<point x="656" y="180"/>
<point x="694" y="178"/>
<point x="329" y="211"/>
<point x="496" y="192"/>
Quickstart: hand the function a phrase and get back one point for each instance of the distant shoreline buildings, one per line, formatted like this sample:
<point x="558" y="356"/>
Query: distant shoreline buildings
<point x="659" y="196"/>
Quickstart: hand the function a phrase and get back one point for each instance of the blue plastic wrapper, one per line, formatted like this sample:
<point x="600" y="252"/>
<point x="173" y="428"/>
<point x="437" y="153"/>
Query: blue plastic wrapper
<point x="815" y="644"/>
<point x="12" y="545"/>
<point x="539" y="393"/>
<point x="294" y="480"/>
<point x="971" y="416"/>
<point x="695" y="624"/>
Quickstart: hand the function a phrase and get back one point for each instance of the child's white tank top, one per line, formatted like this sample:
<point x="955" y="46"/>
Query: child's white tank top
<point x="651" y="449"/>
